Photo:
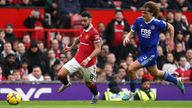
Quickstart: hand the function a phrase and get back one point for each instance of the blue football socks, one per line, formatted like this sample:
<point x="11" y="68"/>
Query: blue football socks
<point x="168" y="77"/>
<point x="133" y="85"/>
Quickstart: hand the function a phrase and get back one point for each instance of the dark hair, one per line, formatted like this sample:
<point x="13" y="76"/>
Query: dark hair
<point x="113" y="87"/>
<point x="152" y="7"/>
<point x="183" y="56"/>
<point x="33" y="44"/>
<point x="144" y="80"/>
<point x="24" y="61"/>
<point x="1" y="30"/>
<point x="10" y="55"/>
<point x="39" y="42"/>
<point x="9" y="25"/>
<point x="36" y="66"/>
<point x="86" y="14"/>
<point x="57" y="62"/>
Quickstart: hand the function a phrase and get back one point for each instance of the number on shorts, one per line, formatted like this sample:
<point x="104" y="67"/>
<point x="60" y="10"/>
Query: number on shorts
<point x="91" y="76"/>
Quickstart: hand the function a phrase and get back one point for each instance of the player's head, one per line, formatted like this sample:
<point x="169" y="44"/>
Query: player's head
<point x="86" y="19"/>
<point x="149" y="10"/>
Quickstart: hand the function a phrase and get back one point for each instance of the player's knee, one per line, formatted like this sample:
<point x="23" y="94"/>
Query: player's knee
<point x="87" y="84"/>
<point x="155" y="74"/>
<point x="61" y="73"/>
<point x="130" y="69"/>
<point x="90" y="85"/>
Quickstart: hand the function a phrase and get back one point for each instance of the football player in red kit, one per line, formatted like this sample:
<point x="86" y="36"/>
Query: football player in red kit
<point x="85" y="59"/>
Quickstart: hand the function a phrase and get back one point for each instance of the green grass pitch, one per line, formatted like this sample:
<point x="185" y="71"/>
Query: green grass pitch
<point x="100" y="104"/>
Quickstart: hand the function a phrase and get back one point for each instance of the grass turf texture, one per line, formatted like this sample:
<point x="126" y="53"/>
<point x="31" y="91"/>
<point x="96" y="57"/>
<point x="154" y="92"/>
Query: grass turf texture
<point x="100" y="104"/>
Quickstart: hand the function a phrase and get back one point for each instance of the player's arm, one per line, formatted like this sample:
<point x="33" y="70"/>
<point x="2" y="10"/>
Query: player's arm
<point x="127" y="38"/>
<point x="170" y="29"/>
<point x="134" y="28"/>
<point x="95" y="52"/>
<point x="75" y="43"/>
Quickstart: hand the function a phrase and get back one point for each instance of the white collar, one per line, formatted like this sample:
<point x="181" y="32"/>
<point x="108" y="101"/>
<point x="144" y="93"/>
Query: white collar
<point x="122" y="23"/>
<point x="150" y="20"/>
<point x="90" y="26"/>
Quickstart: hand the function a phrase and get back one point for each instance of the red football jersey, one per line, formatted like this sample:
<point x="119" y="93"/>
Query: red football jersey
<point x="118" y="33"/>
<point x="87" y="40"/>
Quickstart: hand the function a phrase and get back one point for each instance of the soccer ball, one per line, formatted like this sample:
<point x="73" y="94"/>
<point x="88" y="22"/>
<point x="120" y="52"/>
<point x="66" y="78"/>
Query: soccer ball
<point x="13" y="98"/>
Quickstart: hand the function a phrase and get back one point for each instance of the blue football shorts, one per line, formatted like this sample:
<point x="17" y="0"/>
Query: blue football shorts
<point x="148" y="59"/>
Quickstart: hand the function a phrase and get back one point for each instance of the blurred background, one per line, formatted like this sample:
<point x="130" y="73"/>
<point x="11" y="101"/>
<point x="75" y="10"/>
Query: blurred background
<point x="33" y="34"/>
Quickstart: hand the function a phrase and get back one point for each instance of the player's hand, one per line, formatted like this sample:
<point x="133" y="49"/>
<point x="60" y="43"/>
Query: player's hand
<point x="67" y="49"/>
<point x="126" y="41"/>
<point x="85" y="62"/>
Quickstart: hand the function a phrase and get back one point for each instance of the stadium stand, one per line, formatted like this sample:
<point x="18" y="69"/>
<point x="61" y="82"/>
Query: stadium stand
<point x="56" y="36"/>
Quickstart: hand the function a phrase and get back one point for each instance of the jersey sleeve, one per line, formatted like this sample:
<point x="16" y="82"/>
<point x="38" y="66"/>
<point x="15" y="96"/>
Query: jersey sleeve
<point x="162" y="25"/>
<point x="96" y="38"/>
<point x="134" y="28"/>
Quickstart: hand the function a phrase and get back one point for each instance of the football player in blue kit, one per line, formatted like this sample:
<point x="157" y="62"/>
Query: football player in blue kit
<point x="148" y="29"/>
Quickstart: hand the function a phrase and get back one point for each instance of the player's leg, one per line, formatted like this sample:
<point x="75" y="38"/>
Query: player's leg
<point x="93" y="88"/>
<point x="89" y="75"/>
<point x="133" y="67"/>
<point x="70" y="67"/>
<point x="63" y="77"/>
<point x="167" y="77"/>
<point x="161" y="75"/>
<point x="142" y="61"/>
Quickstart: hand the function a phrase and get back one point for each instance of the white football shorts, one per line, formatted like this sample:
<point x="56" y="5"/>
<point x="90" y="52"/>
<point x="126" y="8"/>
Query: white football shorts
<point x="89" y="73"/>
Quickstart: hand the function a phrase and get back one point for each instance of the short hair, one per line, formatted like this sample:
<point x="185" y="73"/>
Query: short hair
<point x="9" y="26"/>
<point x="144" y="80"/>
<point x="7" y="43"/>
<point x="9" y="56"/>
<point x="39" y="42"/>
<point x="183" y="56"/>
<point x="1" y="30"/>
<point x="36" y="66"/>
<point x="153" y="8"/>
<point x="33" y="44"/>
<point x="86" y="14"/>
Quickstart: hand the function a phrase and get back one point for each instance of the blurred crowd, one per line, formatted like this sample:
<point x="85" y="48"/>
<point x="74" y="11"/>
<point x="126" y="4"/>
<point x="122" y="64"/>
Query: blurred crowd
<point x="61" y="11"/>
<point x="23" y="59"/>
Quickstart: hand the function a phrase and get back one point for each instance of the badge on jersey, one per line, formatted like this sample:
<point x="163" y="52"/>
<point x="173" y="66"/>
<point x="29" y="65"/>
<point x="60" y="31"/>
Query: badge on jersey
<point x="86" y="36"/>
<point x="152" y="27"/>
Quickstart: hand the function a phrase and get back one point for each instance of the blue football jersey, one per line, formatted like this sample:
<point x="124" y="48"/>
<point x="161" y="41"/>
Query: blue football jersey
<point x="148" y="33"/>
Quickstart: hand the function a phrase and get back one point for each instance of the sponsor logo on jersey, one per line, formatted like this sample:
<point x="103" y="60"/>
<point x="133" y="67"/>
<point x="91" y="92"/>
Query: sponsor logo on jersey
<point x="146" y="33"/>
<point x="118" y="30"/>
